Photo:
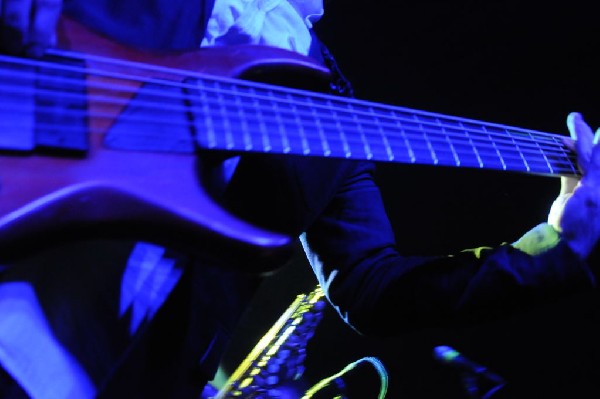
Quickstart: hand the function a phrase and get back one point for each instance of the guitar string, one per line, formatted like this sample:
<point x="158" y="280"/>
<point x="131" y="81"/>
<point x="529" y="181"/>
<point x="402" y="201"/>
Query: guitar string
<point x="410" y="134"/>
<point x="394" y="118"/>
<point x="503" y="139"/>
<point x="419" y="132"/>
<point x="373" y="114"/>
<point x="514" y="162"/>
<point x="273" y="90"/>
<point x="162" y="106"/>
<point x="506" y="159"/>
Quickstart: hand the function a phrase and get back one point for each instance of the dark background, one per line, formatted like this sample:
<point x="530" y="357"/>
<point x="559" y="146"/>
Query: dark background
<point x="511" y="62"/>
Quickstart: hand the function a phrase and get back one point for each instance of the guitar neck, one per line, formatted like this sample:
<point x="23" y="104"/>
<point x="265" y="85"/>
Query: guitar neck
<point x="216" y="113"/>
<point x="281" y="120"/>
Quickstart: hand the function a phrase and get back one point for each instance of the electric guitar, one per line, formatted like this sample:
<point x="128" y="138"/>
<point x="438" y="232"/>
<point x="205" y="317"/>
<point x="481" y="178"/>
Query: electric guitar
<point x="97" y="137"/>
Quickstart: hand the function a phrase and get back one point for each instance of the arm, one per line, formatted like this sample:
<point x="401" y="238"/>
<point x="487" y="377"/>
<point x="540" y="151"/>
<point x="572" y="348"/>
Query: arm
<point x="352" y="251"/>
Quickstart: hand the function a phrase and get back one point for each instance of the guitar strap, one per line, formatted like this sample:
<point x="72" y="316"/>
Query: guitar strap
<point x="339" y="84"/>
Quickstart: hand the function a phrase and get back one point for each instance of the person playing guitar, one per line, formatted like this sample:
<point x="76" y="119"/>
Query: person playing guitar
<point x="156" y="165"/>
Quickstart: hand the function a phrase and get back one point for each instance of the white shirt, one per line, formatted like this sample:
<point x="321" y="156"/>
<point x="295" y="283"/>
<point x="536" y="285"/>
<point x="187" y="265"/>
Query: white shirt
<point x="279" y="23"/>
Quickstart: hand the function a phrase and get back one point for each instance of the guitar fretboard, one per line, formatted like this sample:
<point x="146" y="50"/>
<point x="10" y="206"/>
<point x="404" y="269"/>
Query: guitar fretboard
<point x="217" y="113"/>
<point x="278" y="120"/>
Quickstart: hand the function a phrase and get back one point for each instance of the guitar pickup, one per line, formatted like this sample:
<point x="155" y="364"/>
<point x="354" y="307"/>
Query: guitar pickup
<point x="43" y="105"/>
<point x="17" y="105"/>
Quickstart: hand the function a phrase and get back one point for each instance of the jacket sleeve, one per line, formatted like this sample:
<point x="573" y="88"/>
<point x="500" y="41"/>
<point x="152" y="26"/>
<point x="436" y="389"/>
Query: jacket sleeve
<point x="146" y="24"/>
<point x="375" y="289"/>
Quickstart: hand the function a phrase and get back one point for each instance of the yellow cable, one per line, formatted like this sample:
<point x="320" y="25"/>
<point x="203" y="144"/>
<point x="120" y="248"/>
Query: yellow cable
<point x="383" y="376"/>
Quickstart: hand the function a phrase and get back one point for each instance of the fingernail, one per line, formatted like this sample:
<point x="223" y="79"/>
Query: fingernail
<point x="575" y="115"/>
<point x="572" y="120"/>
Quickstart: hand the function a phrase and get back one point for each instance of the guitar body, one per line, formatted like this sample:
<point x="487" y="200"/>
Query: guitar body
<point x="153" y="195"/>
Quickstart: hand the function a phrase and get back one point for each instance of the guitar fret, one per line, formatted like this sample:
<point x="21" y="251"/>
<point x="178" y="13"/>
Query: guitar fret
<point x="234" y="132"/>
<point x="463" y="153"/>
<point x="340" y="129"/>
<point x="344" y="140"/>
<point x="216" y="116"/>
<point x="344" y="122"/>
<point x="285" y="142"/>
<point x="206" y="117"/>
<point x="471" y="155"/>
<point x="568" y="158"/>
<point x="518" y="148"/>
<point x="312" y="116"/>
<point x="346" y="152"/>
<point x="363" y="139"/>
<point x="299" y="127"/>
<point x="455" y="156"/>
<point x="386" y="154"/>
<point x="369" y="143"/>
<point x="520" y="143"/>
<point x="496" y="149"/>
<point x="331" y="114"/>
<point x="436" y="158"/>
<point x="489" y="157"/>
<point x="294" y="132"/>
<point x="267" y="125"/>
<point x="220" y="119"/>
<point x="254" y="121"/>
<point x="543" y="155"/>
<point x="333" y="139"/>
<point x="262" y="127"/>
<point x="320" y="130"/>
<point x="243" y="122"/>
<point x="444" y="149"/>
<point x="404" y="138"/>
